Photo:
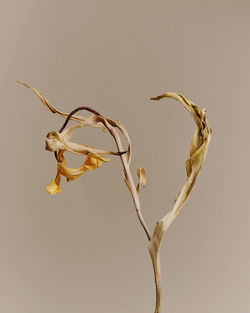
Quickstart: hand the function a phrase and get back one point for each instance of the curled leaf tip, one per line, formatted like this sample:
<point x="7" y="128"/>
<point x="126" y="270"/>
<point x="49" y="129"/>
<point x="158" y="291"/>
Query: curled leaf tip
<point x="86" y="121"/>
<point x="194" y="164"/>
<point x="141" y="173"/>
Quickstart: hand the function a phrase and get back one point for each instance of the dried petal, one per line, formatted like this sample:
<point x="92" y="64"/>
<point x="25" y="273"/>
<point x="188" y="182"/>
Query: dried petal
<point x="92" y="162"/>
<point x="58" y="141"/>
<point x="55" y="187"/>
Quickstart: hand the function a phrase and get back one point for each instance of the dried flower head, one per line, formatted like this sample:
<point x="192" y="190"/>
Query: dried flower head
<point x="59" y="142"/>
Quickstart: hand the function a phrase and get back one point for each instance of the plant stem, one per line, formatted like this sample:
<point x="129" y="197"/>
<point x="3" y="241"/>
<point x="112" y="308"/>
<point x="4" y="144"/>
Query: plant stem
<point x="155" y="257"/>
<point x="133" y="191"/>
<point x="126" y="168"/>
<point x="125" y="164"/>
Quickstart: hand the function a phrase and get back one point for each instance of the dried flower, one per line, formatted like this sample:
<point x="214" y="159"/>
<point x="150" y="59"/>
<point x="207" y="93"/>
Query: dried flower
<point x="59" y="142"/>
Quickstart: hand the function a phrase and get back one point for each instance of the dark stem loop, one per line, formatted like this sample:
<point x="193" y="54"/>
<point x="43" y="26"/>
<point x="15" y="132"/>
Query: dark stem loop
<point x="69" y="117"/>
<point x="74" y="112"/>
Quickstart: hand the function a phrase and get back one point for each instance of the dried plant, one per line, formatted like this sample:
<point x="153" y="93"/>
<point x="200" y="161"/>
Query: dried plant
<point x="59" y="142"/>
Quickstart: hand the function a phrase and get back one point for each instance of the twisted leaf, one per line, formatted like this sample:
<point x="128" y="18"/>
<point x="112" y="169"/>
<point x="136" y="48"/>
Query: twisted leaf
<point x="198" y="150"/>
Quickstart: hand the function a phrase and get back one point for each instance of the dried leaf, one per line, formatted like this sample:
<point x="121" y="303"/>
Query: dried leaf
<point x="198" y="150"/>
<point x="86" y="121"/>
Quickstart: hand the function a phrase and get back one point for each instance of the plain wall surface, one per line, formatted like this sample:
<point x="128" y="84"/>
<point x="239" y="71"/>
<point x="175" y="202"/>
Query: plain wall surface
<point x="83" y="250"/>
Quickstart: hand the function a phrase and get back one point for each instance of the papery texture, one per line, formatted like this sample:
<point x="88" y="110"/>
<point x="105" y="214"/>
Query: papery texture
<point x="59" y="141"/>
<point x="198" y="150"/>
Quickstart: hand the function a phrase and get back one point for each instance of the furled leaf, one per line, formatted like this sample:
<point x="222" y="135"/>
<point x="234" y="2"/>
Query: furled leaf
<point x="198" y="150"/>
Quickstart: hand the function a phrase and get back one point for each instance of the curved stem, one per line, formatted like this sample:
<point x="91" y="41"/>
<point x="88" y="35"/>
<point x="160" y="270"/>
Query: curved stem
<point x="125" y="164"/>
<point x="133" y="191"/>
<point x="126" y="168"/>
<point x="74" y="112"/>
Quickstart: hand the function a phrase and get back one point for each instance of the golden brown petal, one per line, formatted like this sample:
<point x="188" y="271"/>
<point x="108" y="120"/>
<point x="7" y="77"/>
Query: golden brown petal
<point x="92" y="162"/>
<point x="55" y="187"/>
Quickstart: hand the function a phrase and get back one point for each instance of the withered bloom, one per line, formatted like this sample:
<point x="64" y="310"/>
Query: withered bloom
<point x="59" y="143"/>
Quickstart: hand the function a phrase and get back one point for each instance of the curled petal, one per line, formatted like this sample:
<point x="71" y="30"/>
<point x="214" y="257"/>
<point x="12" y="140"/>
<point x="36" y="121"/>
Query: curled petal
<point x="71" y="173"/>
<point x="56" y="141"/>
<point x="61" y="157"/>
<point x="92" y="162"/>
<point x="96" y="119"/>
<point x="53" y="142"/>
<point x="83" y="149"/>
<point x="67" y="133"/>
<point x="55" y="187"/>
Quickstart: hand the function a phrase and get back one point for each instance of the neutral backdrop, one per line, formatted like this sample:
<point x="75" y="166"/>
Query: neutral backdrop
<point x="83" y="250"/>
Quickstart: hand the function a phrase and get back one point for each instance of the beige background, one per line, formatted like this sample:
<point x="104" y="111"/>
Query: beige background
<point x="83" y="250"/>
